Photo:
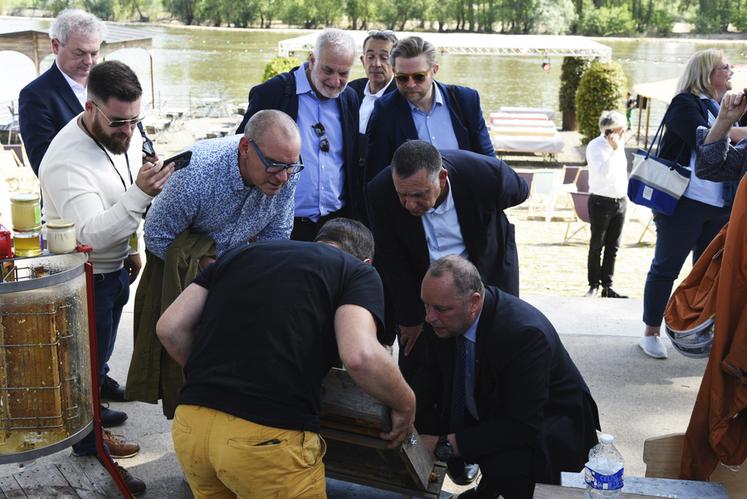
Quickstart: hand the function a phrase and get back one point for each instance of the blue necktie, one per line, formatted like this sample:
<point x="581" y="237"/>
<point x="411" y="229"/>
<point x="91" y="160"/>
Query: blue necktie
<point x="457" y="389"/>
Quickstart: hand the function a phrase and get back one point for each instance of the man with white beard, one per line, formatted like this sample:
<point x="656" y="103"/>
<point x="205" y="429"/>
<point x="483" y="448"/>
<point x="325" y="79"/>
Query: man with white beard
<point x="316" y="96"/>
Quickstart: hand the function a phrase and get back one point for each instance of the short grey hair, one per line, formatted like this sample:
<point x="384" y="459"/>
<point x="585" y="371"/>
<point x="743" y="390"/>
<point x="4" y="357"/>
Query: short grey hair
<point x="76" y="21"/>
<point x="335" y="40"/>
<point x="414" y="46"/>
<point x="416" y="155"/>
<point x="271" y="120"/>
<point x="464" y="275"/>
<point x="385" y="35"/>
<point x="611" y="120"/>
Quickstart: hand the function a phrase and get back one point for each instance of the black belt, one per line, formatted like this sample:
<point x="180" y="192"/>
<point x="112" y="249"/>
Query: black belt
<point x="306" y="220"/>
<point x="607" y="198"/>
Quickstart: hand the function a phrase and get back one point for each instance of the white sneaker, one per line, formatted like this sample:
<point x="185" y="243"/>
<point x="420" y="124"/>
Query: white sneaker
<point x="653" y="347"/>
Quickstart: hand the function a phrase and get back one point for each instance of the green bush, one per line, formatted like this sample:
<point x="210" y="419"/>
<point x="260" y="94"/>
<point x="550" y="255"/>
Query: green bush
<point x="279" y="65"/>
<point x="600" y="89"/>
<point x="662" y="22"/>
<point x="607" y="21"/>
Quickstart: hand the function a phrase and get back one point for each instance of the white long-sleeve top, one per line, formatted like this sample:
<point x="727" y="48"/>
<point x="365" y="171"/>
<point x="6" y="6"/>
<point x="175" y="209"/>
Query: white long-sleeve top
<point x="608" y="168"/>
<point x="80" y="184"/>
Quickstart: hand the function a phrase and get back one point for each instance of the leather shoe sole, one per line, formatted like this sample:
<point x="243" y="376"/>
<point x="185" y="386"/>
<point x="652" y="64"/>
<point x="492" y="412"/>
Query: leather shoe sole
<point x="111" y="418"/>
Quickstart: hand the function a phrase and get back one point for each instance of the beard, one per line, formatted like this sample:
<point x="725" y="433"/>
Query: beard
<point x="117" y="142"/>
<point x="325" y="91"/>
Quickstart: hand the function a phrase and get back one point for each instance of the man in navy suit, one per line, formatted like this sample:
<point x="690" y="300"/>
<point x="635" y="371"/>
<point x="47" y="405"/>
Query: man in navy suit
<point x="430" y="204"/>
<point x="447" y="116"/>
<point x="498" y="387"/>
<point x="316" y="96"/>
<point x="49" y="102"/>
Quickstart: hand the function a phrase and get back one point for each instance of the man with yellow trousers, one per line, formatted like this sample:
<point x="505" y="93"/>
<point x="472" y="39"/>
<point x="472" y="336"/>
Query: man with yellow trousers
<point x="256" y="332"/>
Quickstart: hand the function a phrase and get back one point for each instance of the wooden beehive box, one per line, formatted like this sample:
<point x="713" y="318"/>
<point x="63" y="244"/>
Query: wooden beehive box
<point x="351" y="422"/>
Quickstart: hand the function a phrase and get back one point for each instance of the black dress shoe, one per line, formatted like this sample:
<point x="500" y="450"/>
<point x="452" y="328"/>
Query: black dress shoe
<point x="111" y="390"/>
<point x="608" y="292"/>
<point x="134" y="484"/>
<point x="110" y="417"/>
<point x="468" y="474"/>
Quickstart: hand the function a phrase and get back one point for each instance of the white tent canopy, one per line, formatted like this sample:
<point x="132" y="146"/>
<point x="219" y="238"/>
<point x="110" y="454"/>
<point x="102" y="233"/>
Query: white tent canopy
<point x="478" y="43"/>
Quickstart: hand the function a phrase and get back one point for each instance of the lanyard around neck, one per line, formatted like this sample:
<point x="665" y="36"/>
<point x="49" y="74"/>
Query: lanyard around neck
<point x="111" y="161"/>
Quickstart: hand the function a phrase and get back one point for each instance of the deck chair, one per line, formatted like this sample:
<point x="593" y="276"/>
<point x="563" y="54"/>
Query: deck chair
<point x="582" y="180"/>
<point x="569" y="175"/>
<point x="527" y="176"/>
<point x="662" y="457"/>
<point x="581" y="208"/>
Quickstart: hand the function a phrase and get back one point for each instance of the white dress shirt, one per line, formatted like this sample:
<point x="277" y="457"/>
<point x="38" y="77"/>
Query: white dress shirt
<point x="608" y="168"/>
<point x="442" y="231"/>
<point x="79" y="90"/>
<point x="364" y="113"/>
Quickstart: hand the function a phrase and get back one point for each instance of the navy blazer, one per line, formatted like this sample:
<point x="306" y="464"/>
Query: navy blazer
<point x="45" y="106"/>
<point x="528" y="392"/>
<point x="482" y="188"/>
<point x="279" y="93"/>
<point x="391" y="125"/>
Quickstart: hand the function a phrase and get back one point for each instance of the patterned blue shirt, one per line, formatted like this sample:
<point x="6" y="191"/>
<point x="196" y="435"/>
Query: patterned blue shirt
<point x="320" y="188"/>
<point x="209" y="196"/>
<point x="435" y="126"/>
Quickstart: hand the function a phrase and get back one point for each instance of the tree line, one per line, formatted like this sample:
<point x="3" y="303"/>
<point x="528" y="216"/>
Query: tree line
<point x="584" y="17"/>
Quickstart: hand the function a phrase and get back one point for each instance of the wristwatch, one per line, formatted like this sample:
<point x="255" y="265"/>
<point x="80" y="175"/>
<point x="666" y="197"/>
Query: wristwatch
<point x="444" y="451"/>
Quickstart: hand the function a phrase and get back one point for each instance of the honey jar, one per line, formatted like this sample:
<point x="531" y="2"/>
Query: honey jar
<point x="25" y="212"/>
<point x="60" y="236"/>
<point x="27" y="243"/>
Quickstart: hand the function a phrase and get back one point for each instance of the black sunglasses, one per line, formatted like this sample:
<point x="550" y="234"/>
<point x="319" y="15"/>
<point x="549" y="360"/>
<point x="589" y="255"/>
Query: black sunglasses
<point x="405" y="77"/>
<point x="273" y="167"/>
<point x="320" y="131"/>
<point x="118" y="123"/>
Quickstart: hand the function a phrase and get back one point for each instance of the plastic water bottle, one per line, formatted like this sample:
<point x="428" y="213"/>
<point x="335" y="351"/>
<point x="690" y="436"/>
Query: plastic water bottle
<point x="604" y="471"/>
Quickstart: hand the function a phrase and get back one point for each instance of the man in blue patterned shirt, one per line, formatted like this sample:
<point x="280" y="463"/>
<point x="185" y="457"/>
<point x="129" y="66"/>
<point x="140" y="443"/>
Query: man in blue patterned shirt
<point x="236" y="189"/>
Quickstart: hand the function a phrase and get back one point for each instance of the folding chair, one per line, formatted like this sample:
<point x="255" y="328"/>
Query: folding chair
<point x="581" y="208"/>
<point x="544" y="193"/>
<point x="582" y="180"/>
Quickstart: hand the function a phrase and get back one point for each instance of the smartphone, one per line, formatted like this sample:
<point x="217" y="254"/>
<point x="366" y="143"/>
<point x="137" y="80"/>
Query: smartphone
<point x="180" y="160"/>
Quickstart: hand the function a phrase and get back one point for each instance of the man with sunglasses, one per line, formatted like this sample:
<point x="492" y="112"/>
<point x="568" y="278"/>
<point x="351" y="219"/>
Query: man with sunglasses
<point x="316" y="96"/>
<point x="93" y="174"/>
<point x="50" y="101"/>
<point x="447" y="116"/>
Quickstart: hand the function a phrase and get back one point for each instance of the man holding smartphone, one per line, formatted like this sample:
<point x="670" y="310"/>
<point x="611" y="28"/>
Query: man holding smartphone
<point x="608" y="185"/>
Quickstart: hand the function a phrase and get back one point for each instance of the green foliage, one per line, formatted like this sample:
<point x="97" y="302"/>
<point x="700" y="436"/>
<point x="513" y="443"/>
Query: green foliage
<point x="104" y="9"/>
<point x="570" y="75"/>
<point x="714" y="15"/>
<point x="600" y="89"/>
<point x="279" y="65"/>
<point x="184" y="10"/>
<point x="554" y="17"/>
<point x="607" y="21"/>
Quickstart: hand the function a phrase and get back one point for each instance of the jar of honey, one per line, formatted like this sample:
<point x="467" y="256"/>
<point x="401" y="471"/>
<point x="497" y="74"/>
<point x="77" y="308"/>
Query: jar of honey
<point x="25" y="212"/>
<point x="60" y="236"/>
<point x="27" y="243"/>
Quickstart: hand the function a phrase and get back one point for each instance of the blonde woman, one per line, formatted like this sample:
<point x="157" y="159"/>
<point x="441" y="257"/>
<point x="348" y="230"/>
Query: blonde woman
<point x="704" y="207"/>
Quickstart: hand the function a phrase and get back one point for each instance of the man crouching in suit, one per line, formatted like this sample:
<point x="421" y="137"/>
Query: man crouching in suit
<point x="498" y="388"/>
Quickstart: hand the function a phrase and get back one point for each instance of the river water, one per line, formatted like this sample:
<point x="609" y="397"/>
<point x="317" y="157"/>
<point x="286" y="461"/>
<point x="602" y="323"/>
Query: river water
<point x="194" y="63"/>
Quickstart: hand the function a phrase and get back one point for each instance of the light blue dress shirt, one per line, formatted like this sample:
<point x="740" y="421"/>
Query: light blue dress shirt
<point x="435" y="125"/>
<point x="469" y="365"/>
<point x="443" y="233"/>
<point x="321" y="183"/>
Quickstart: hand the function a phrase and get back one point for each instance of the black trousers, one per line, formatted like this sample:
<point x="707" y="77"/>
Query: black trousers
<point x="305" y="229"/>
<point x="607" y="216"/>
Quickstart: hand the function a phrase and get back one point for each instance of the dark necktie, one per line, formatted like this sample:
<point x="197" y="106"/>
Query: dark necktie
<point x="457" y="389"/>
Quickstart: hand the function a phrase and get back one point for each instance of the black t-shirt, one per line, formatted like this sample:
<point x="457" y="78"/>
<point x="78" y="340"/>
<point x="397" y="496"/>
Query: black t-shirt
<point x="266" y="337"/>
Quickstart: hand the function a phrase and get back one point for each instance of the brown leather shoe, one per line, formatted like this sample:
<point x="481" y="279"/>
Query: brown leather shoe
<point x="119" y="447"/>
<point x="134" y="484"/>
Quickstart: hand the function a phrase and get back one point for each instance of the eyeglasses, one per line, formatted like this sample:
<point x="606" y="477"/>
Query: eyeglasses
<point x="275" y="167"/>
<point x="416" y="77"/>
<point x="320" y="132"/>
<point x="726" y="67"/>
<point x="118" y="123"/>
